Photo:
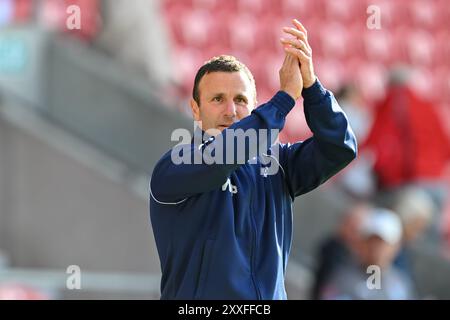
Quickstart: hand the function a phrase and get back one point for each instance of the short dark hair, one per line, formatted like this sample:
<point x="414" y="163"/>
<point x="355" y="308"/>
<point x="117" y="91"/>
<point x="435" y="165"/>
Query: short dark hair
<point x="223" y="63"/>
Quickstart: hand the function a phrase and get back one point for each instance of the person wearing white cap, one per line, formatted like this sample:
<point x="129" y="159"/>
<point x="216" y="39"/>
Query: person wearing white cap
<point x="381" y="235"/>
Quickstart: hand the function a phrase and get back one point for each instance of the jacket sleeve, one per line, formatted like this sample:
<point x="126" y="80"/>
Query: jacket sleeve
<point x="172" y="182"/>
<point x="333" y="145"/>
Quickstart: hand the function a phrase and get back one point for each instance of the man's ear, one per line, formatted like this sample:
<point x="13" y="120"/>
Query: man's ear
<point x="195" y="110"/>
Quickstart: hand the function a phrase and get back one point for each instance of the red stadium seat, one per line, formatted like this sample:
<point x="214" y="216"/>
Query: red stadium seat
<point x="196" y="27"/>
<point x="299" y="9"/>
<point x="423" y="13"/>
<point x="333" y="40"/>
<point x="271" y="66"/>
<point x="441" y="83"/>
<point x="296" y="128"/>
<point x="378" y="45"/>
<point x="330" y="71"/>
<point x="442" y="50"/>
<point x="271" y="32"/>
<point x="443" y="14"/>
<point x="420" y="45"/>
<point x="343" y="11"/>
<point x="412" y="31"/>
<point x="393" y="13"/>
<point x="174" y="26"/>
<point x="205" y="4"/>
<point x="424" y="83"/>
<point x="400" y="48"/>
<point x="371" y="79"/>
<point x="243" y="32"/>
<point x="187" y="62"/>
<point x="253" y="6"/>
<point x="169" y="4"/>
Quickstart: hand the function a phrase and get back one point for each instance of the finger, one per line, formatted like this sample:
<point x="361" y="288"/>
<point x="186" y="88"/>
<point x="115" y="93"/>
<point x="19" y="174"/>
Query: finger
<point x="300" y="27"/>
<point x="297" y="44"/>
<point x="302" y="57"/>
<point x="296" y="33"/>
<point x="285" y="59"/>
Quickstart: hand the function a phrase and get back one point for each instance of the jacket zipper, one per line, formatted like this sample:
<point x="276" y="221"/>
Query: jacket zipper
<point x="254" y="244"/>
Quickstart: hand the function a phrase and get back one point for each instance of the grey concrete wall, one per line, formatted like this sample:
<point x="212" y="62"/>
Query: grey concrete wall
<point x="5" y="186"/>
<point x="56" y="211"/>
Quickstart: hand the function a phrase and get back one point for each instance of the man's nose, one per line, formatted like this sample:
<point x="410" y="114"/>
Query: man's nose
<point x="230" y="110"/>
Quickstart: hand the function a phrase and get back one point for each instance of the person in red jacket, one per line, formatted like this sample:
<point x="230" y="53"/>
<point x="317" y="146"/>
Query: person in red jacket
<point x="409" y="143"/>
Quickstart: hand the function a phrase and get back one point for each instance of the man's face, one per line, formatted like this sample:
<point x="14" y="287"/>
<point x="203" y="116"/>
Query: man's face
<point x="378" y="252"/>
<point x="225" y="97"/>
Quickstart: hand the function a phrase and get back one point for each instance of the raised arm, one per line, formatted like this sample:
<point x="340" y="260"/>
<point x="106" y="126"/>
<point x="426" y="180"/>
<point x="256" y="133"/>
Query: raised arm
<point x="333" y="145"/>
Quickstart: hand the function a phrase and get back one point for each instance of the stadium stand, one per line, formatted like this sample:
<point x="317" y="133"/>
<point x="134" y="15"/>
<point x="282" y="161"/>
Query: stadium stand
<point x="415" y="34"/>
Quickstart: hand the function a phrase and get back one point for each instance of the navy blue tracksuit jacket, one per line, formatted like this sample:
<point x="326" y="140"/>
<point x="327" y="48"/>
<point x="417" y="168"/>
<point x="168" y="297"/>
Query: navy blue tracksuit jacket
<point x="224" y="231"/>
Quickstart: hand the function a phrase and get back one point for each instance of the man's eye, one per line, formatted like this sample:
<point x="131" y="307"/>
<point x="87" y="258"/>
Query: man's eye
<point x="241" y="100"/>
<point x="217" y="99"/>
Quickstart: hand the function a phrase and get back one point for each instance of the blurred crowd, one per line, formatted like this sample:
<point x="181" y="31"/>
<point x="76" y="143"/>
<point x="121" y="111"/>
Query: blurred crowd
<point x="398" y="195"/>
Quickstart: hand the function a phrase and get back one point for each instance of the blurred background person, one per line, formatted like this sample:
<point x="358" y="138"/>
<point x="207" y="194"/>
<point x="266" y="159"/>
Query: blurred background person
<point x="341" y="248"/>
<point x="415" y="208"/>
<point x="381" y="234"/>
